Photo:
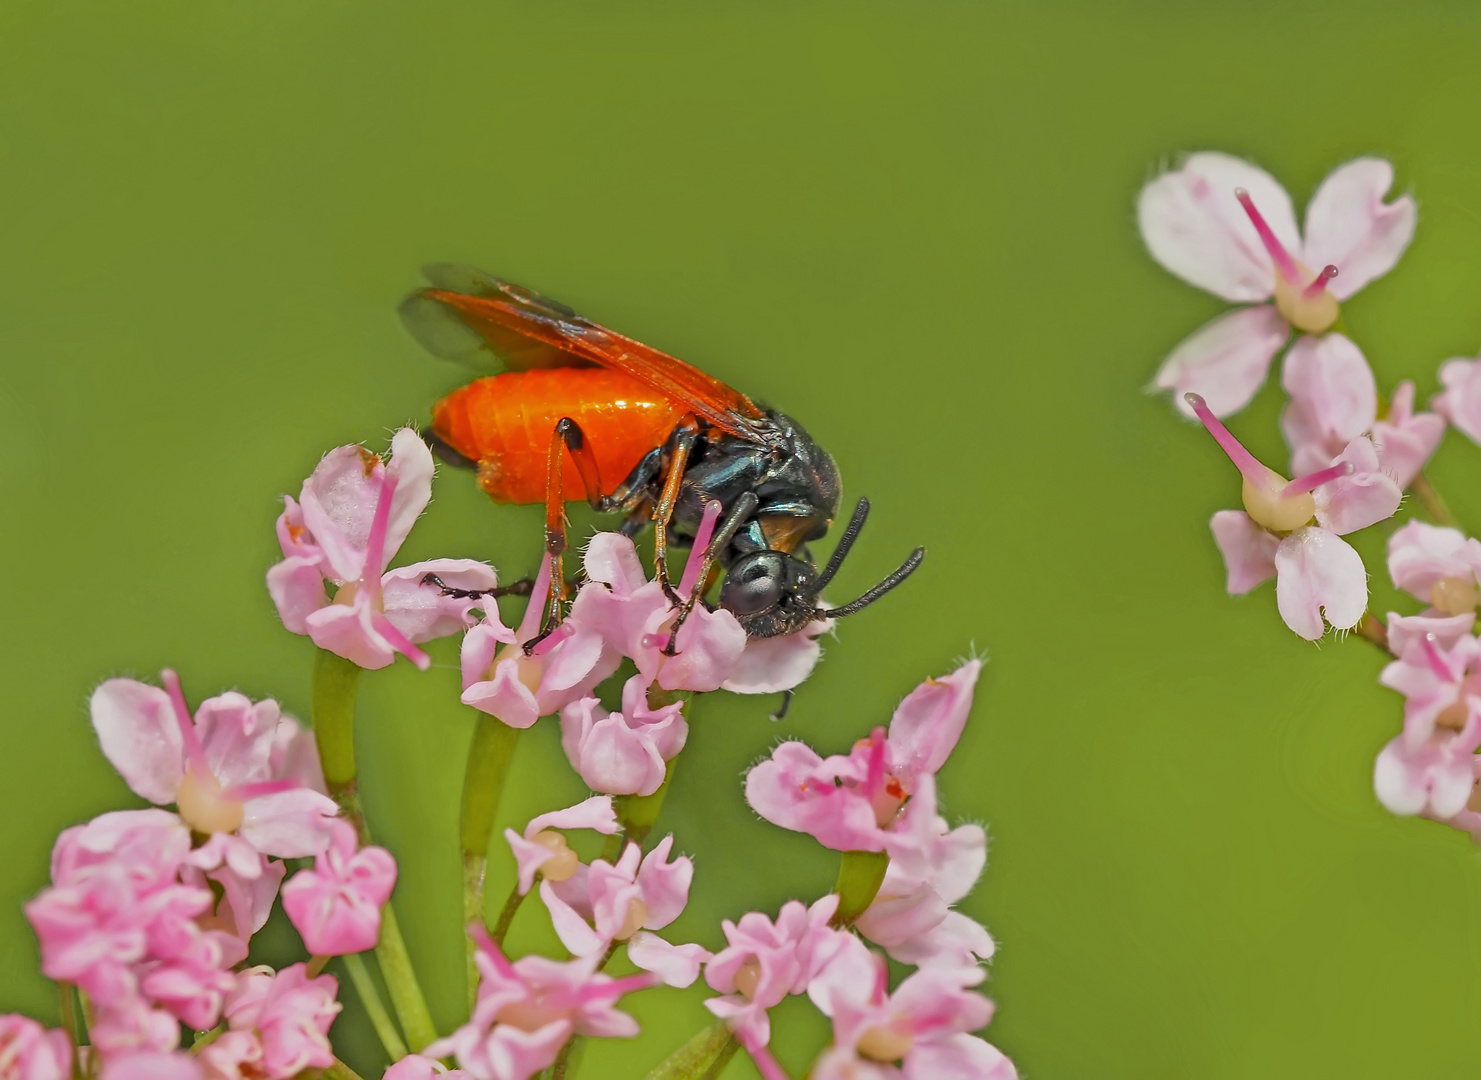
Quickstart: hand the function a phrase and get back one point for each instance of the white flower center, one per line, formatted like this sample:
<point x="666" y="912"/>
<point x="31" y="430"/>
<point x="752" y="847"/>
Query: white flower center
<point x="203" y="806"/>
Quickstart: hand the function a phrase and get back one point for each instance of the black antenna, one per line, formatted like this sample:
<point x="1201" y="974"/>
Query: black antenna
<point x="846" y="541"/>
<point x="906" y="569"/>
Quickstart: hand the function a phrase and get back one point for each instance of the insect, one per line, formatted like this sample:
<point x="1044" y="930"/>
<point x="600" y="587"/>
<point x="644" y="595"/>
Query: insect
<point x="583" y="409"/>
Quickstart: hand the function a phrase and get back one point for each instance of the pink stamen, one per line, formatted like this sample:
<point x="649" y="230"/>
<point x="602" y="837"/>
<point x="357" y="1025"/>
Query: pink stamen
<point x="243" y="792"/>
<point x="554" y="638"/>
<point x="1248" y="465"/>
<point x="195" y="753"/>
<point x="702" y="537"/>
<point x="875" y="776"/>
<point x="1302" y="484"/>
<point x="1278" y="254"/>
<point x="766" y="1064"/>
<point x="375" y="544"/>
<point x="399" y="641"/>
<point x="490" y="948"/>
<point x="1319" y="284"/>
<point x="1436" y="659"/>
<point x="529" y="626"/>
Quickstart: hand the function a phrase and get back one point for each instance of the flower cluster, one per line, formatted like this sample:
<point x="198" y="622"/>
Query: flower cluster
<point x="149" y="920"/>
<point x="1227" y="226"/>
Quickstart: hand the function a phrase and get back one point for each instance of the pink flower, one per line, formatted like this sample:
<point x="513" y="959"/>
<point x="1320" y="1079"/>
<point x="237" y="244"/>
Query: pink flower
<point x="544" y="851"/>
<point x="1405" y="631"/>
<point x="623" y="753"/>
<point x="1334" y="401"/>
<point x="355" y="512"/>
<point x="763" y="962"/>
<point x="1438" y="566"/>
<point x="417" y="1067"/>
<point x="920" y="1032"/>
<point x="526" y="1011"/>
<point x="603" y="903"/>
<point x="852" y="802"/>
<point x="151" y="1065"/>
<point x="29" y="1051"/>
<point x="1291" y="530"/>
<point x="636" y="618"/>
<point x="218" y="770"/>
<point x="911" y="915"/>
<point x="1228" y="227"/>
<point x="772" y="665"/>
<point x="1429" y="768"/>
<point x="336" y="906"/>
<point x="286" y="1015"/>
<point x="1460" y="401"/>
<point x="519" y="688"/>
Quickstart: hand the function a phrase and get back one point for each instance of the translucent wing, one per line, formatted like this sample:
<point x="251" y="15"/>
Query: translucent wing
<point x="468" y="315"/>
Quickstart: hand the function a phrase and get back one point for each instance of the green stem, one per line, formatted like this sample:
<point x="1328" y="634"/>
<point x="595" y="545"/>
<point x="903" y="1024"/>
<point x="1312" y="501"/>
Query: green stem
<point x="483" y="785"/>
<point x="374" y="1007"/>
<point x="1434" y="506"/>
<point x="68" y="1006"/>
<point x="639" y="813"/>
<point x="568" y="1057"/>
<point x="703" y="1057"/>
<point x="401" y="983"/>
<point x="860" y="874"/>
<point x="335" y="682"/>
<point x="506" y="915"/>
<point x="339" y="1071"/>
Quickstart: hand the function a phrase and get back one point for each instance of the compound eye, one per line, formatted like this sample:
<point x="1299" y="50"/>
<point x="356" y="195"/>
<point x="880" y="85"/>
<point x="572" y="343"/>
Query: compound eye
<point x="753" y="584"/>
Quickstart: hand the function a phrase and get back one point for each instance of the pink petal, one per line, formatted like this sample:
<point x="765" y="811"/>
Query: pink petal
<point x="505" y="696"/>
<point x="956" y="941"/>
<point x="664" y="884"/>
<point x="1350" y="226"/>
<point x="140" y="737"/>
<point x="1318" y="573"/>
<point x="1364" y="498"/>
<point x="248" y="901"/>
<point x="960" y="1057"/>
<point x="338" y="503"/>
<point x="788" y="789"/>
<point x="928" y="723"/>
<point x="676" y="965"/>
<point x="237" y="737"/>
<point x="290" y="824"/>
<point x="771" y="665"/>
<point x="710" y="645"/>
<point x="422" y="612"/>
<point x="411" y="464"/>
<point x="1193" y="225"/>
<point x="1405" y="632"/>
<point x="1420" y="555"/>
<point x="594" y="813"/>
<point x="612" y="559"/>
<point x="1248" y="550"/>
<point x="296" y="586"/>
<point x="480" y="646"/>
<point x="1225" y="360"/>
<point x="348" y="630"/>
<point x="1333" y="399"/>
<point x="150" y="1065"/>
<point x="575" y="932"/>
<point x="1460" y="402"/>
<point x="1406" y="441"/>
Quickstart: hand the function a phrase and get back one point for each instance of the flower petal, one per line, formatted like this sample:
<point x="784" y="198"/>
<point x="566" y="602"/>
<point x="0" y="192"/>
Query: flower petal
<point x="1364" y="498"/>
<point x="422" y="612"/>
<point x="296" y="586"/>
<point x="140" y="736"/>
<point x="411" y="465"/>
<point x="1350" y="226"/>
<point x="1333" y="399"/>
<point x="928" y="723"/>
<point x="1225" y="360"/>
<point x="290" y="824"/>
<point x="1406" y="440"/>
<point x="1194" y="226"/>
<point x="677" y="965"/>
<point x="1460" y="402"/>
<point x="1319" y="573"/>
<point x="1248" y="550"/>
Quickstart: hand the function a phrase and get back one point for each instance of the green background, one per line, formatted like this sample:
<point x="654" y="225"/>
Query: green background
<point x="910" y="226"/>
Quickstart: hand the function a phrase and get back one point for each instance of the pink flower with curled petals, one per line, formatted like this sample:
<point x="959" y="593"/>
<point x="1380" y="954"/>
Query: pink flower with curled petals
<point x="764" y="962"/>
<point x="636" y="618"/>
<point x="1406" y="440"/>
<point x="911" y="915"/>
<point x="1439" y="566"/>
<point x="336" y="906"/>
<point x="29" y="1051"/>
<point x="1228" y="227"/>
<point x="353" y="515"/>
<point x="603" y="903"/>
<point x="1460" y="401"/>
<point x="527" y="1010"/>
<point x="216" y="768"/>
<point x="623" y="753"/>
<point x="1429" y="768"/>
<point x="501" y="679"/>
<point x="920" y="1032"/>
<point x="151" y="1065"/>
<point x="852" y="802"/>
<point x="776" y="664"/>
<point x="288" y="1015"/>
<point x="544" y="851"/>
<point x="1291" y="530"/>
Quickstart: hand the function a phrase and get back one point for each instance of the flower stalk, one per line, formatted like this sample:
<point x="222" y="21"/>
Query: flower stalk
<point x="335" y="683"/>
<point x="703" y="1057"/>
<point x="385" y="1029"/>
<point x="860" y="874"/>
<point x="483" y="787"/>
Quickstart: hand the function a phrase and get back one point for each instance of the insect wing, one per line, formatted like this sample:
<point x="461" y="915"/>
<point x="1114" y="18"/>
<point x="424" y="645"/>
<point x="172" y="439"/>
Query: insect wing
<point x="469" y="314"/>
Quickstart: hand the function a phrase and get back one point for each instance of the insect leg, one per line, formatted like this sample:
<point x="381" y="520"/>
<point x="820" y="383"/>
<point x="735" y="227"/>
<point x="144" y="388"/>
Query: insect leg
<point x="685" y="437"/>
<point x="566" y="435"/>
<point x="521" y="587"/>
<point x="744" y="507"/>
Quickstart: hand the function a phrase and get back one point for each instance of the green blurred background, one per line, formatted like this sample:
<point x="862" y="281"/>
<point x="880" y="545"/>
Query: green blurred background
<point x="910" y="226"/>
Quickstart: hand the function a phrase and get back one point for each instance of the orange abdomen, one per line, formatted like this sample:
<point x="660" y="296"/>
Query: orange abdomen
<point x="504" y="422"/>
